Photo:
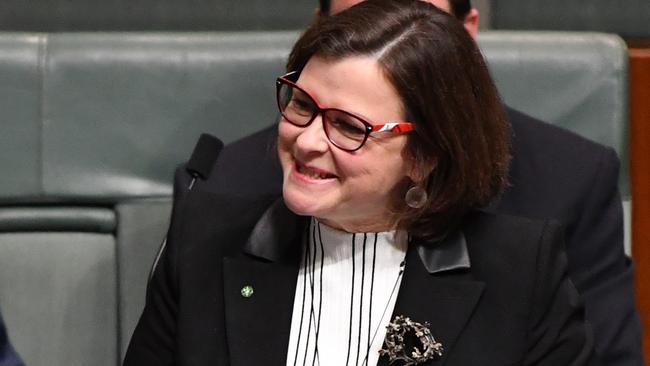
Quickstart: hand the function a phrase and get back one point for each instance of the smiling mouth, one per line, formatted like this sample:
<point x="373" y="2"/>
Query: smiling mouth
<point x="313" y="173"/>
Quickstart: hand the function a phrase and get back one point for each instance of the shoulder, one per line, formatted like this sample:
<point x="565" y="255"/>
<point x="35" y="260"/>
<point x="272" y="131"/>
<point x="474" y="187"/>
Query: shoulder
<point x="248" y="166"/>
<point x="524" y="268"/>
<point x="532" y="135"/>
<point x="258" y="148"/>
<point x="501" y="244"/>
<point x="554" y="171"/>
<point x="205" y="223"/>
<point x="484" y="225"/>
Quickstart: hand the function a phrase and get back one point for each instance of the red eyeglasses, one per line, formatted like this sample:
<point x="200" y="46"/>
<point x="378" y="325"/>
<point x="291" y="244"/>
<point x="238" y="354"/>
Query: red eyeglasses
<point x="345" y="130"/>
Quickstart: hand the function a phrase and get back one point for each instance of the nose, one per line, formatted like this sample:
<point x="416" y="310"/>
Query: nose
<point x="312" y="138"/>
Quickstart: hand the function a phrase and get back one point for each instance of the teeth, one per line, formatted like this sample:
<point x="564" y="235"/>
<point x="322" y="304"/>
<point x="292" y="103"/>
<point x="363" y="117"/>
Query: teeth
<point x="312" y="174"/>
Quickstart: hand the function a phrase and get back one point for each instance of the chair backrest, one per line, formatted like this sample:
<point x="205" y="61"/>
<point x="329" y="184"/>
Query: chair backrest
<point x="155" y="15"/>
<point x="94" y="126"/>
<point x="628" y="19"/>
<point x="95" y="123"/>
<point x="58" y="282"/>
<point x="105" y="116"/>
<point x="574" y="80"/>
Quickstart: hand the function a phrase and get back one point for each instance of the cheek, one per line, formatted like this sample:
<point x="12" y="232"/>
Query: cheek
<point x="367" y="175"/>
<point x="286" y="133"/>
<point x="378" y="179"/>
<point x="286" y="138"/>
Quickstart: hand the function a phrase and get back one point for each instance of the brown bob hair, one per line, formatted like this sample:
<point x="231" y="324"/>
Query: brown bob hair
<point x="461" y="144"/>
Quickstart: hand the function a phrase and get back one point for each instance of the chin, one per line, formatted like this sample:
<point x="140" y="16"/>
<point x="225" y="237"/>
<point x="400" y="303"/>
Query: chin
<point x="299" y="202"/>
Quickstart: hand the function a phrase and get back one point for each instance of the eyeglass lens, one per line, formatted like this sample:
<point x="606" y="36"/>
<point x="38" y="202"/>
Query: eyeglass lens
<point x="342" y="129"/>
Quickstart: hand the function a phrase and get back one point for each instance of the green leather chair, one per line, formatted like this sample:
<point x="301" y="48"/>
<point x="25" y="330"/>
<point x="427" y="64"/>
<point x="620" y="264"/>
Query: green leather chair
<point x="155" y="15"/>
<point x="95" y="123"/>
<point x="574" y="80"/>
<point x="629" y="18"/>
<point x="93" y="128"/>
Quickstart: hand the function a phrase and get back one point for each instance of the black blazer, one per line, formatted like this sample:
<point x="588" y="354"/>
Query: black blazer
<point x="554" y="174"/>
<point x="496" y="292"/>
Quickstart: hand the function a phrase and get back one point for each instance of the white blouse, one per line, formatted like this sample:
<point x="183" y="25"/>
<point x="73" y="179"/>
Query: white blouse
<point x="345" y="295"/>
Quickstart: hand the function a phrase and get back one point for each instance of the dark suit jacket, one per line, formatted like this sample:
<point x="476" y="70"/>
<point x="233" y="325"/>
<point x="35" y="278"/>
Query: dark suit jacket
<point x="554" y="174"/>
<point x="464" y="286"/>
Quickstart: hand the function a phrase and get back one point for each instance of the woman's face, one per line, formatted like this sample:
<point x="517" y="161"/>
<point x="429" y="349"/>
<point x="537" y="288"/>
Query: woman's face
<point x="352" y="191"/>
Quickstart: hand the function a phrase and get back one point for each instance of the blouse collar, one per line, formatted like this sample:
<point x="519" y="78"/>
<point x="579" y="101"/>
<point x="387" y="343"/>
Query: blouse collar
<point x="275" y="238"/>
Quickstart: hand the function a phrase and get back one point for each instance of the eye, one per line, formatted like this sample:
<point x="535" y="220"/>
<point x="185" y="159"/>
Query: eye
<point x="346" y="125"/>
<point x="301" y="105"/>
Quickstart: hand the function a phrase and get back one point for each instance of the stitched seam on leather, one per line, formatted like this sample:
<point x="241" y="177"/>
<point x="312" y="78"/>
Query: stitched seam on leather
<point x="43" y="41"/>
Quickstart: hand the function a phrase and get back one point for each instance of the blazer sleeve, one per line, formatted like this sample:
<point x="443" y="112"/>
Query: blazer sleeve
<point x="557" y="334"/>
<point x="154" y="339"/>
<point x="600" y="269"/>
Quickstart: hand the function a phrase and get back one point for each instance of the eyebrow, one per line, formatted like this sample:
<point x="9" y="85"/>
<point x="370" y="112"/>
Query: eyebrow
<point x="372" y="121"/>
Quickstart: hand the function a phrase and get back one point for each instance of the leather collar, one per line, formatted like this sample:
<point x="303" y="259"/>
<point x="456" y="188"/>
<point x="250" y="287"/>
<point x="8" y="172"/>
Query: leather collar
<point x="277" y="230"/>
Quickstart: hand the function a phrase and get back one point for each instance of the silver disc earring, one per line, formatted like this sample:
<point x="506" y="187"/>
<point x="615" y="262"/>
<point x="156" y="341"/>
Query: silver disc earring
<point x="416" y="197"/>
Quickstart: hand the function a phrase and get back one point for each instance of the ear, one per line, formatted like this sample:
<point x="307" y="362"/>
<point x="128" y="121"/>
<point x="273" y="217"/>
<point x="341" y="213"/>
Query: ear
<point x="471" y="22"/>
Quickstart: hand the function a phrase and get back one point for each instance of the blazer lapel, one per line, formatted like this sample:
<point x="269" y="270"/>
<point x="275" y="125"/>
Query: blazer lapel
<point x="258" y="324"/>
<point x="445" y="296"/>
<point x="436" y="288"/>
<point x="259" y="289"/>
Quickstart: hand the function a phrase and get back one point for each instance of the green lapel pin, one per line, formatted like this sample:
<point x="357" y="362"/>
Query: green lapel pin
<point x="247" y="291"/>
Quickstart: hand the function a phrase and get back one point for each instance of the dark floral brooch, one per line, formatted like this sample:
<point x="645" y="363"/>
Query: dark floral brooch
<point x="410" y="342"/>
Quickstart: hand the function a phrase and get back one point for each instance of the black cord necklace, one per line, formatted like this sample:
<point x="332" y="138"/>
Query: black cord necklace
<point x="383" y="314"/>
<point x="309" y="277"/>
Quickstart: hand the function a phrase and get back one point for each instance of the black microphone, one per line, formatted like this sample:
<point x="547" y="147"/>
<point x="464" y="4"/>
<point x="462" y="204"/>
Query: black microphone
<point x="203" y="157"/>
<point x="199" y="166"/>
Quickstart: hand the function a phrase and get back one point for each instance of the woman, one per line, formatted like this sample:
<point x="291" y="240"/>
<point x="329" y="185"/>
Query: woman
<point x="391" y="137"/>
